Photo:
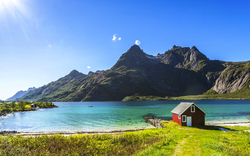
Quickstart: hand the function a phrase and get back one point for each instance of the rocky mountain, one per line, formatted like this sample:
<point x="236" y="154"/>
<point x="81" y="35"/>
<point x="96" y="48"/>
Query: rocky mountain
<point x="19" y="94"/>
<point x="179" y="71"/>
<point x="232" y="78"/>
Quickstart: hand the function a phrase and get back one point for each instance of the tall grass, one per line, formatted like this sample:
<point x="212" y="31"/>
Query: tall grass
<point x="105" y="144"/>
<point x="170" y="140"/>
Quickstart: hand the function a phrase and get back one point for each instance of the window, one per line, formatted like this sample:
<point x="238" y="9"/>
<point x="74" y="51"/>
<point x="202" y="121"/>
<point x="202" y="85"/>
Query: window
<point x="184" y="118"/>
<point x="192" y="108"/>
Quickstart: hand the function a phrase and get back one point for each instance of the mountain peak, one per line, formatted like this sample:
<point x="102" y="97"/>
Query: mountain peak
<point x="75" y="74"/>
<point x="176" y="47"/>
<point x="132" y="57"/>
<point x="194" y="48"/>
<point x="135" y="47"/>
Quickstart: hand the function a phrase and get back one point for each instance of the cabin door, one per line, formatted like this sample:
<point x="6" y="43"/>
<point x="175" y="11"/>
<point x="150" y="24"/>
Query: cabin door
<point x="189" y="121"/>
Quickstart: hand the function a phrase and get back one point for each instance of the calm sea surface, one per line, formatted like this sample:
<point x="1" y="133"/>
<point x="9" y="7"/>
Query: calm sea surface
<point x="78" y="116"/>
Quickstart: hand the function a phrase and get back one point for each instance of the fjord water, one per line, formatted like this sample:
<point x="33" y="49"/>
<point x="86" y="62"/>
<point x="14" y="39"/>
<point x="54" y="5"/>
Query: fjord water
<point x="78" y="116"/>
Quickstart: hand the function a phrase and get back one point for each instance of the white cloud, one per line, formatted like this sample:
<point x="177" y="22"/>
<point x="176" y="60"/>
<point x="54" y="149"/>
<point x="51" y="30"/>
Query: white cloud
<point x="50" y="45"/>
<point x="88" y="67"/>
<point x="137" y="42"/>
<point x="114" y="37"/>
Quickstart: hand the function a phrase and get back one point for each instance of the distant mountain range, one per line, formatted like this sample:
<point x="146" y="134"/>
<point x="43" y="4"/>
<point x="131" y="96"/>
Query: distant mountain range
<point x="19" y="94"/>
<point x="179" y="71"/>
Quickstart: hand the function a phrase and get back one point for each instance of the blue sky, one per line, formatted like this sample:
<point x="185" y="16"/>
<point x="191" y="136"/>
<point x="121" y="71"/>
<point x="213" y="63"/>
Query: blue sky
<point x="43" y="40"/>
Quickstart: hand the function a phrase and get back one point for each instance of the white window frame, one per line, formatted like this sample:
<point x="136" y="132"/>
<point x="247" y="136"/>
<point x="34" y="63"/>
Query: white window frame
<point x="193" y="106"/>
<point x="184" y="118"/>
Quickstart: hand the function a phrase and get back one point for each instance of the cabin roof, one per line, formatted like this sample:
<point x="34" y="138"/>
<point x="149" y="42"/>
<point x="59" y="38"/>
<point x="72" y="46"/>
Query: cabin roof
<point x="182" y="107"/>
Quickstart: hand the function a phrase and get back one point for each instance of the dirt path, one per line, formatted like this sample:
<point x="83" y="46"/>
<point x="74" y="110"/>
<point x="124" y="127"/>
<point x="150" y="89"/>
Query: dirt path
<point x="188" y="146"/>
<point x="178" y="148"/>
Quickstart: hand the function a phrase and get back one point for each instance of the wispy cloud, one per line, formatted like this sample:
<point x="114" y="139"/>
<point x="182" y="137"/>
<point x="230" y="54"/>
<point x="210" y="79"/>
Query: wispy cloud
<point x="50" y="46"/>
<point x="137" y="42"/>
<point x="119" y="38"/>
<point x="114" y="37"/>
<point x="88" y="67"/>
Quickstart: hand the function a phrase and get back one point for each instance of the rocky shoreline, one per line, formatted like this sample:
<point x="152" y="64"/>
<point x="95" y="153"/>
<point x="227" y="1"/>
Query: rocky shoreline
<point x="3" y="114"/>
<point x="154" y="121"/>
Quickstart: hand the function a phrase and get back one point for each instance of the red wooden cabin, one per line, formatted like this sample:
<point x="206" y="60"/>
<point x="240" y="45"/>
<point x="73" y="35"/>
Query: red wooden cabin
<point x="188" y="114"/>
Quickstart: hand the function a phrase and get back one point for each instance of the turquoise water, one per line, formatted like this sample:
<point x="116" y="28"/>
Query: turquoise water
<point x="77" y="116"/>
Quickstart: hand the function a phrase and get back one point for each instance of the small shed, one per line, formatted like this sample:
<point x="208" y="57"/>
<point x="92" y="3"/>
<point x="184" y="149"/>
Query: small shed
<point x="188" y="114"/>
<point x="33" y="105"/>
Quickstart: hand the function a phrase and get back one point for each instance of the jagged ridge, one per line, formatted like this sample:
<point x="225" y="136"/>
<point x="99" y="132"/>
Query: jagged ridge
<point x="179" y="71"/>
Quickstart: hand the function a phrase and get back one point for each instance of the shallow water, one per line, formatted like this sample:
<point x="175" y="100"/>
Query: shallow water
<point x="78" y="116"/>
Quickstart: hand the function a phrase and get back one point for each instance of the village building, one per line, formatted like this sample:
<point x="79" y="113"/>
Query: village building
<point x="33" y="105"/>
<point x="188" y="114"/>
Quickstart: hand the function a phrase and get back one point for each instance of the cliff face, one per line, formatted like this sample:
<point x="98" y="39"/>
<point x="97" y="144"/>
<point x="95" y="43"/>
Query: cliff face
<point x="179" y="71"/>
<point x="231" y="79"/>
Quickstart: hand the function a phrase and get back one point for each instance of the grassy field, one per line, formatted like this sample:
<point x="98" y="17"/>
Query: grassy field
<point x="170" y="140"/>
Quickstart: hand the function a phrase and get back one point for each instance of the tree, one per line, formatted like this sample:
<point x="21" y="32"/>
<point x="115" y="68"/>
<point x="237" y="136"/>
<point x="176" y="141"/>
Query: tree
<point x="13" y="105"/>
<point x="22" y="105"/>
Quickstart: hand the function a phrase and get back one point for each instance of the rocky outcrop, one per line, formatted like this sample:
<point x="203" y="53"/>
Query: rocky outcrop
<point x="231" y="80"/>
<point x="4" y="113"/>
<point x="184" y="57"/>
<point x="153" y="121"/>
<point x="8" y="132"/>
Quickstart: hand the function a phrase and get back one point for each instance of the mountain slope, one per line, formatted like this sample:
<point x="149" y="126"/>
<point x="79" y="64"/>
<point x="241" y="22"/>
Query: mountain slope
<point x="55" y="90"/>
<point x="19" y="94"/>
<point x="177" y="72"/>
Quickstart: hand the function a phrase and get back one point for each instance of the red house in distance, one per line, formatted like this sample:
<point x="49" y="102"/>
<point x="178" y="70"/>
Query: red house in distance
<point x="188" y="114"/>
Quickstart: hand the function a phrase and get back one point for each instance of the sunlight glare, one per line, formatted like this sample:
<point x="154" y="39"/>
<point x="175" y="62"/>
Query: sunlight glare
<point x="11" y="6"/>
<point x="5" y="4"/>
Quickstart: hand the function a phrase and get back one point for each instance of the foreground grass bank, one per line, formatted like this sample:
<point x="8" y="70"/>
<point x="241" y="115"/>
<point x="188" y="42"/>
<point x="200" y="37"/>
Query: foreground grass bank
<point x="23" y="106"/>
<point x="170" y="140"/>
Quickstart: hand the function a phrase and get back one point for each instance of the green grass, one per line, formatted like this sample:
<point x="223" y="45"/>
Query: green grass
<point x="170" y="140"/>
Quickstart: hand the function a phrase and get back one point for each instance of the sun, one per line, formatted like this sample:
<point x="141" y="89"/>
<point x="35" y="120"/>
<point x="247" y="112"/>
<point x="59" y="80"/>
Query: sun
<point x="12" y="9"/>
<point x="5" y="3"/>
<point x="9" y="5"/>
